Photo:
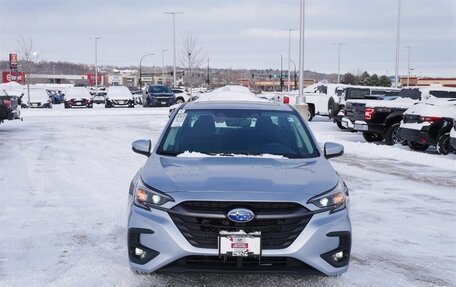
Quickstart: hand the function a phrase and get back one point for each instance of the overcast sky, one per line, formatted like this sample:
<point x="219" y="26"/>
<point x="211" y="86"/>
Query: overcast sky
<point x="239" y="33"/>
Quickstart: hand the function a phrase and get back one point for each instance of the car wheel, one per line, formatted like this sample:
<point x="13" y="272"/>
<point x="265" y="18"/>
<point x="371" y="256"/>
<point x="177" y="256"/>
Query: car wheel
<point x="333" y="109"/>
<point x="372" y="137"/>
<point x="443" y="144"/>
<point x="392" y="134"/>
<point x="311" y="113"/>
<point x="417" y="146"/>
<point x="340" y="126"/>
<point x="179" y="101"/>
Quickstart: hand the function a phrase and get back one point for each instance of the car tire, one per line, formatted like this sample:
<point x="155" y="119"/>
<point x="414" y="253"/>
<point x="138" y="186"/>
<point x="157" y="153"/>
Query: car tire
<point x="333" y="108"/>
<point x="417" y="146"/>
<point x="179" y="101"/>
<point x="443" y="144"/>
<point x="340" y="126"/>
<point x="392" y="134"/>
<point x="311" y="113"/>
<point x="372" y="137"/>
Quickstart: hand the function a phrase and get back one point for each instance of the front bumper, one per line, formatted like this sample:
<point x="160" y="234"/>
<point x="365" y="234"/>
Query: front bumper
<point x="169" y="246"/>
<point x="162" y="102"/>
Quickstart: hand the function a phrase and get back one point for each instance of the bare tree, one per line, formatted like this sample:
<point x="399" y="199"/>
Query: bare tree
<point x="27" y="56"/>
<point x="191" y="57"/>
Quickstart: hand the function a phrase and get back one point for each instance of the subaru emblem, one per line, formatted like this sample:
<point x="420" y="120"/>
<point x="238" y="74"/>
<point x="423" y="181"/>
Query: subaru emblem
<point x="240" y="215"/>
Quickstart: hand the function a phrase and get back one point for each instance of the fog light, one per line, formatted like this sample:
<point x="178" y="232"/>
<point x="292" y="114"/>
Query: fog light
<point x="338" y="256"/>
<point x="139" y="252"/>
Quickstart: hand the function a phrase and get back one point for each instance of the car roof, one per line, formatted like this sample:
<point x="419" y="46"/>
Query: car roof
<point x="234" y="105"/>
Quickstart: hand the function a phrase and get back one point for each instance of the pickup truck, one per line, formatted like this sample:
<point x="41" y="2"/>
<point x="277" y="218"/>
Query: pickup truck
<point x="379" y="120"/>
<point x="10" y="106"/>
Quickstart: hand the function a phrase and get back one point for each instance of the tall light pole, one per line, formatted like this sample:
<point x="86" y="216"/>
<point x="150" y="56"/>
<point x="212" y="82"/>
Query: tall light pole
<point x="408" y="65"/>
<point x="163" y="66"/>
<point x="174" y="43"/>
<point x="398" y="40"/>
<point x="338" y="61"/>
<point x="140" y="68"/>
<point x="96" y="64"/>
<point x="300" y="99"/>
<point x="289" y="53"/>
<point x="294" y="65"/>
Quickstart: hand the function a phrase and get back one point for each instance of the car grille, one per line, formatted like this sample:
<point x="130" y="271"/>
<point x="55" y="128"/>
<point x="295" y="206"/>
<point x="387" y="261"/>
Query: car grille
<point x="279" y="223"/>
<point x="411" y="119"/>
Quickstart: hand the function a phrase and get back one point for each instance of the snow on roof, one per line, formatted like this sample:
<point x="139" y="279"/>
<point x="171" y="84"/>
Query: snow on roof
<point x="11" y="86"/>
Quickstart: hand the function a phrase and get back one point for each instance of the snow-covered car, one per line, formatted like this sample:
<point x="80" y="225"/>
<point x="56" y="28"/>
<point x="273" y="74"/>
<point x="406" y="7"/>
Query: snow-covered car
<point x="181" y="94"/>
<point x="39" y="98"/>
<point x="226" y="93"/>
<point x="78" y="97"/>
<point x="99" y="98"/>
<point x="237" y="186"/>
<point x="119" y="96"/>
<point x="429" y="123"/>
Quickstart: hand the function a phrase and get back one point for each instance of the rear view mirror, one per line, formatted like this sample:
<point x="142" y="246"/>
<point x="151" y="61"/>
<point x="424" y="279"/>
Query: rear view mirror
<point x="333" y="150"/>
<point x="142" y="147"/>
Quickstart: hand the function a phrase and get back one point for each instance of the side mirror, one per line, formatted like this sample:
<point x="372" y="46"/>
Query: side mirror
<point x="333" y="150"/>
<point x="142" y="147"/>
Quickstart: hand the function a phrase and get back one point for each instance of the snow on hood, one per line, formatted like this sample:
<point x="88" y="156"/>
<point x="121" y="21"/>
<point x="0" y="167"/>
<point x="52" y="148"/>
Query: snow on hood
<point x="12" y="86"/>
<point x="437" y="108"/>
<point x="119" y="92"/>
<point x="77" y="92"/>
<point x="198" y="154"/>
<point x="38" y="96"/>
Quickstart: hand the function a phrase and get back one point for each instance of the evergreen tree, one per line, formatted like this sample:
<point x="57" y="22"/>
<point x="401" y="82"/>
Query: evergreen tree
<point x="372" y="80"/>
<point x="349" y="79"/>
<point x="384" y="81"/>
<point x="363" y="79"/>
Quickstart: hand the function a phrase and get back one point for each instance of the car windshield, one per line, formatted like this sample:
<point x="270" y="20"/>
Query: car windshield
<point x="159" y="89"/>
<point x="238" y="132"/>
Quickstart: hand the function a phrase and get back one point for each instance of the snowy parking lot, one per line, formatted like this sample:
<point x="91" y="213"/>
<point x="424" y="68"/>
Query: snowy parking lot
<point x="64" y="178"/>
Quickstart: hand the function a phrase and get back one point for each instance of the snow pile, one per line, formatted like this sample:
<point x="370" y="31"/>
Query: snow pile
<point x="230" y="93"/>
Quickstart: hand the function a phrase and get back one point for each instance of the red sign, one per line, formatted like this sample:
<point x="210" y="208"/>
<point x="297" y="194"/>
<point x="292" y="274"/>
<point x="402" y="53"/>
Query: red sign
<point x="13" y="77"/>
<point x="13" y="61"/>
<point x="91" y="79"/>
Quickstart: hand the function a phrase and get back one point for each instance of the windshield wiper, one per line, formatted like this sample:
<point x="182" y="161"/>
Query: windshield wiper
<point x="169" y="153"/>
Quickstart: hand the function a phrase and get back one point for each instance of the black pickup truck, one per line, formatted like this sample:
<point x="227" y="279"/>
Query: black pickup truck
<point x="10" y="103"/>
<point x="379" y="120"/>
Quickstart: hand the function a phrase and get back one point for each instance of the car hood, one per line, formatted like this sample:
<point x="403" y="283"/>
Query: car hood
<point x="239" y="175"/>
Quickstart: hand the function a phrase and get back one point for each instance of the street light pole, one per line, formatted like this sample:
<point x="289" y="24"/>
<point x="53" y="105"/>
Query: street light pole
<point x="174" y="43"/>
<point x="300" y="99"/>
<point x="289" y="53"/>
<point x="140" y="68"/>
<point x="294" y="65"/>
<point x="338" y="62"/>
<point x="408" y="65"/>
<point x="96" y="65"/>
<point x="398" y="39"/>
<point x="163" y="66"/>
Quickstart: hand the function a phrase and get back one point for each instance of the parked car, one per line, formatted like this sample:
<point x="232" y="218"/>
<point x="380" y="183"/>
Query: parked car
<point x="238" y="186"/>
<point x="57" y="97"/>
<point x="429" y="123"/>
<point x="453" y="136"/>
<point x="137" y="95"/>
<point x="78" y="97"/>
<point x="39" y="98"/>
<point x="99" y="98"/>
<point x="10" y="105"/>
<point x="181" y="94"/>
<point x="158" y="95"/>
<point x="119" y="96"/>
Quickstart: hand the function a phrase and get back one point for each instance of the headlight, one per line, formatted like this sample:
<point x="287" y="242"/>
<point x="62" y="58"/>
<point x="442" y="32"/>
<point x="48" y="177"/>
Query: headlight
<point x="146" y="197"/>
<point x="334" y="200"/>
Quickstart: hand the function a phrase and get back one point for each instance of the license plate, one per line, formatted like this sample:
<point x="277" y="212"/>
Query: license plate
<point x="360" y="127"/>
<point x="239" y="244"/>
<point x="163" y="103"/>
